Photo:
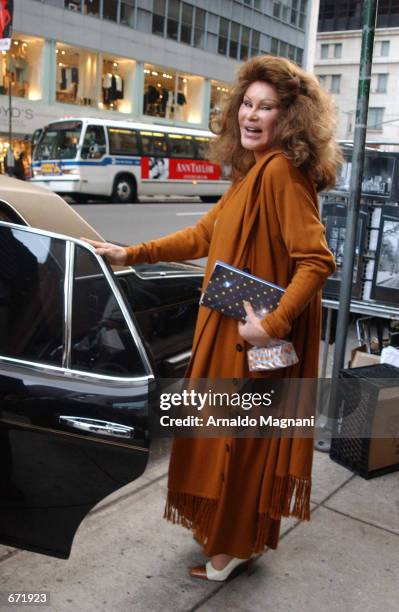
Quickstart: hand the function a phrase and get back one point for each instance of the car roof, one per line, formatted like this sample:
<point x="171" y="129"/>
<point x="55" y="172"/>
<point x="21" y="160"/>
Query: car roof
<point x="40" y="208"/>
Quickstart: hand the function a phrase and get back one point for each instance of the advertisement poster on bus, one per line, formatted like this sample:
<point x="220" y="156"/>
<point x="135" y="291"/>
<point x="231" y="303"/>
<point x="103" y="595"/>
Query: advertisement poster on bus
<point x="162" y="168"/>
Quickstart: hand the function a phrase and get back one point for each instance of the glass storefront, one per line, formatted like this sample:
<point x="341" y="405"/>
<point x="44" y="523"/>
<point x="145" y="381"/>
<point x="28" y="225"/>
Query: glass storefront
<point x="22" y="66"/>
<point x="219" y="92"/>
<point x="117" y="84"/>
<point x="76" y="80"/>
<point x="22" y="149"/>
<point x="172" y="95"/>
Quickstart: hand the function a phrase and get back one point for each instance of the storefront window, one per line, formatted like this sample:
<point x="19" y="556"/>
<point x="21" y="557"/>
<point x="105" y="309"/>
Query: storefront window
<point x="22" y="66"/>
<point x="76" y="76"/>
<point x="22" y="149"/>
<point x="219" y="92"/>
<point x="172" y="95"/>
<point x="117" y="84"/>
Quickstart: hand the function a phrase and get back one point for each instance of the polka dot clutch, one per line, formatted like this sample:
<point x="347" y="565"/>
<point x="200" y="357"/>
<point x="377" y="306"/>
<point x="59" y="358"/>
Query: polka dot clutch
<point x="229" y="286"/>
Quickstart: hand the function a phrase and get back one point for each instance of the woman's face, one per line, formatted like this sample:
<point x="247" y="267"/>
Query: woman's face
<point x="257" y="117"/>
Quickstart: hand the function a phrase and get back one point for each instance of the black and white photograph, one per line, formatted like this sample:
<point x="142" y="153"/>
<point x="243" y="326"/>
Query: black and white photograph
<point x="159" y="168"/>
<point x="334" y="219"/>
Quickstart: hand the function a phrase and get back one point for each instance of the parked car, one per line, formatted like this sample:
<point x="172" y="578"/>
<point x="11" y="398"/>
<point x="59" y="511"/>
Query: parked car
<point x="82" y="346"/>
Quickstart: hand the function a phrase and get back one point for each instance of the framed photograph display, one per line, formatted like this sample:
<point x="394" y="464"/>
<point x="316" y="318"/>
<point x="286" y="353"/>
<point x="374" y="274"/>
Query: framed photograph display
<point x="380" y="174"/>
<point x="334" y="219"/>
<point x="385" y="287"/>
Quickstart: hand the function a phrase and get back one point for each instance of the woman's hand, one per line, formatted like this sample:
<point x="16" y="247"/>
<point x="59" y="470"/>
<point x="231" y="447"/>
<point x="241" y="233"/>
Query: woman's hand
<point x="112" y="252"/>
<point x="252" y="330"/>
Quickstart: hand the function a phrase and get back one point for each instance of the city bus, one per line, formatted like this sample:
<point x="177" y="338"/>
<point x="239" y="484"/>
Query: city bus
<point x="89" y="158"/>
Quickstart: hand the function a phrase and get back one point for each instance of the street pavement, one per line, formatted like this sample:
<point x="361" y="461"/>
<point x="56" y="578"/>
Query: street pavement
<point x="126" y="557"/>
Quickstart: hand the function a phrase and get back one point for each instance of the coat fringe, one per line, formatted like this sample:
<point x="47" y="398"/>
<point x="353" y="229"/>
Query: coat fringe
<point x="290" y="497"/>
<point x="287" y="490"/>
<point x="192" y="512"/>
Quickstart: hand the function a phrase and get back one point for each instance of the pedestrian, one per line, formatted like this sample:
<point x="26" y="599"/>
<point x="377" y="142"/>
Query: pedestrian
<point x="19" y="167"/>
<point x="277" y="132"/>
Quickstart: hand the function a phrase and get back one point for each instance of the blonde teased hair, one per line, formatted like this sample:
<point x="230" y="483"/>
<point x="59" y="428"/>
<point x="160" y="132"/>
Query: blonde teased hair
<point x="305" y="128"/>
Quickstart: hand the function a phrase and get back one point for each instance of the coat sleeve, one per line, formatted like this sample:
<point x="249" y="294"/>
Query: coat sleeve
<point x="295" y="205"/>
<point x="189" y="243"/>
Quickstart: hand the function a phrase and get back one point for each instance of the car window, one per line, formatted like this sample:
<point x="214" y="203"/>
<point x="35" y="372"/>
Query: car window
<point x="101" y="339"/>
<point x="31" y="296"/>
<point x="94" y="146"/>
<point x="9" y="214"/>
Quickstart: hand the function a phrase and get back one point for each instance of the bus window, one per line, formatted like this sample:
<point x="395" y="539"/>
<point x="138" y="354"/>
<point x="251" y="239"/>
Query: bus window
<point x="123" y="142"/>
<point x="202" y="147"/>
<point x="59" y="141"/>
<point x="94" y="142"/>
<point x="154" y="144"/>
<point x="181" y="146"/>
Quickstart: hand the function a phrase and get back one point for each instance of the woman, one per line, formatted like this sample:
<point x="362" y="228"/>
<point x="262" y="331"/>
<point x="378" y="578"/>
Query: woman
<point x="276" y="131"/>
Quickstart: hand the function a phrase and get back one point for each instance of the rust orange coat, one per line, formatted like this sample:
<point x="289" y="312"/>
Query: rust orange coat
<point x="233" y="492"/>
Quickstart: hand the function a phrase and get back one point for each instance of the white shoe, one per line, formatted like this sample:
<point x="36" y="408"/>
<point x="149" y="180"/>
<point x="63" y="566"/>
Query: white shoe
<point x="208" y="572"/>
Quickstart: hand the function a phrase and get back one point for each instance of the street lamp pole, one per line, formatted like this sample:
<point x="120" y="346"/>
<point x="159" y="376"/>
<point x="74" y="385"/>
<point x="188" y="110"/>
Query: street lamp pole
<point x="366" y="59"/>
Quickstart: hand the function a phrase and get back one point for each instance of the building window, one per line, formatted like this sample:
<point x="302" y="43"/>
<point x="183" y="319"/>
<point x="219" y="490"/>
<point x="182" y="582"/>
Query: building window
<point x="22" y="67"/>
<point x="294" y="11"/>
<point x="277" y="9"/>
<point x="337" y="50"/>
<point x="73" y="5"/>
<point x="199" y="29"/>
<point x="76" y="81"/>
<point x="91" y="7"/>
<point x="375" y="118"/>
<point x="110" y="10"/>
<point x="274" y="46"/>
<point x="322" y="79"/>
<point x="285" y="13"/>
<point x="384" y="52"/>
<point x="335" y="83"/>
<point x="244" y="47"/>
<point x="299" y="56"/>
<point x="255" y="43"/>
<point x="172" y="29"/>
<point x="291" y="52"/>
<point x="158" y="18"/>
<point x="172" y="95"/>
<point x="186" y="23"/>
<point x="127" y="13"/>
<point x="324" y="51"/>
<point x="234" y="38"/>
<point x="382" y="83"/>
<point x="223" y="36"/>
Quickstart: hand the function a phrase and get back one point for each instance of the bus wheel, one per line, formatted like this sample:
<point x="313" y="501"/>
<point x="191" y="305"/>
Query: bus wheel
<point x="209" y="199"/>
<point x="125" y="190"/>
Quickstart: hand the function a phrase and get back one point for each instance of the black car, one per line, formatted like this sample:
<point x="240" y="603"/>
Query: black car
<point x="81" y="348"/>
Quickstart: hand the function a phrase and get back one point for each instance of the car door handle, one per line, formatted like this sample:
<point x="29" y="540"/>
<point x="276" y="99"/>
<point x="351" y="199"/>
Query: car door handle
<point x="96" y="426"/>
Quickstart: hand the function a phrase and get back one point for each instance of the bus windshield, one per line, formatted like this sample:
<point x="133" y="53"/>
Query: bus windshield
<point x="59" y="141"/>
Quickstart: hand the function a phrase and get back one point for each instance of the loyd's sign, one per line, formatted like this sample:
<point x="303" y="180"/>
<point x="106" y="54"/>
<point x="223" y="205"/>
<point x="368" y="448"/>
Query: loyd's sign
<point x="16" y="113"/>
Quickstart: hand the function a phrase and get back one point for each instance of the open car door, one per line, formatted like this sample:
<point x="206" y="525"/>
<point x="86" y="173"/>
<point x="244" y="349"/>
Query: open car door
<point x="74" y="387"/>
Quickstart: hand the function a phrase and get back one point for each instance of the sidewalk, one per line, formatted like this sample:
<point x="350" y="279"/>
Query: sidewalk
<point x="126" y="557"/>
